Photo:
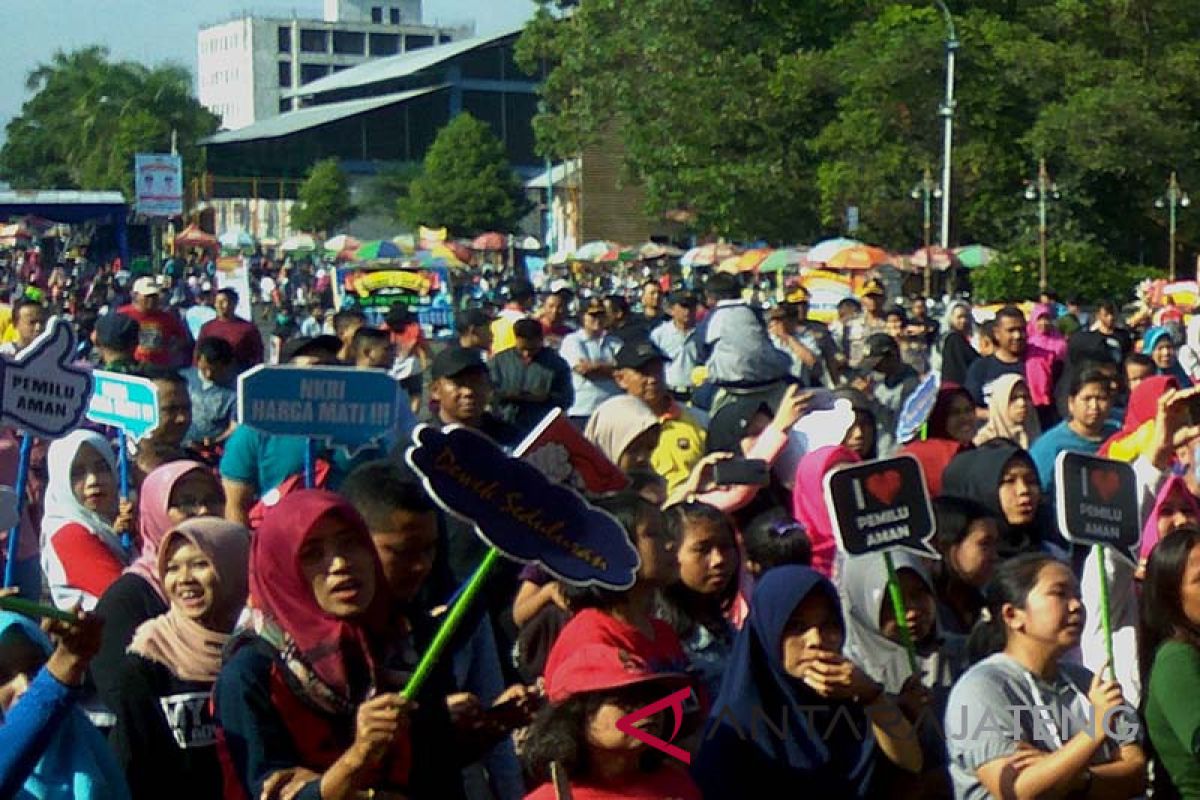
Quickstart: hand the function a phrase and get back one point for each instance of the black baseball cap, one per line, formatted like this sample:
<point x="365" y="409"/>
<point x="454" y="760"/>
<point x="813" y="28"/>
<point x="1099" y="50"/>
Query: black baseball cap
<point x="878" y="347"/>
<point x="118" y="331"/>
<point x="636" y="356"/>
<point x="683" y="298"/>
<point x="399" y="317"/>
<point x="309" y="345"/>
<point x="456" y="360"/>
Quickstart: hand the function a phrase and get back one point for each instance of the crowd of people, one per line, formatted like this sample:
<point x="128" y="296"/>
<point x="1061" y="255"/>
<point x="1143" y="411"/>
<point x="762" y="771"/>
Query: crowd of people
<point x="237" y="633"/>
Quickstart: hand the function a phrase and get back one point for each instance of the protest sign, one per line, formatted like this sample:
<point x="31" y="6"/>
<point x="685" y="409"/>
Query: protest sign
<point x="41" y="391"/>
<point x="41" y="394"/>
<point x="344" y="406"/>
<point x="1097" y="501"/>
<point x="562" y="454"/>
<point x="876" y="506"/>
<point x="127" y="402"/>
<point x="519" y="511"/>
<point x="917" y="408"/>
<point x="1097" y="505"/>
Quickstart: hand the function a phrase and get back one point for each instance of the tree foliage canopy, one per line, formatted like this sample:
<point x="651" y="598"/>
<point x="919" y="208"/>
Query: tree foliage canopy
<point x="88" y="116"/>
<point x="768" y="119"/>
<point x="323" y="200"/>
<point x="466" y="183"/>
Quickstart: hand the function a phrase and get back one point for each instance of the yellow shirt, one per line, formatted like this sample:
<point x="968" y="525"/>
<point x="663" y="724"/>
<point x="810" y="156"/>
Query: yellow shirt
<point x="503" y="337"/>
<point x="680" y="446"/>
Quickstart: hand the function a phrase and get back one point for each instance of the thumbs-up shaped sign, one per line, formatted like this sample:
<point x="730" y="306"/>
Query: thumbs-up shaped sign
<point x="40" y="390"/>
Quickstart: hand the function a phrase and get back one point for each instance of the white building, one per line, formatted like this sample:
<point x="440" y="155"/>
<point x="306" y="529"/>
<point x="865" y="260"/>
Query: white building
<point x="247" y="65"/>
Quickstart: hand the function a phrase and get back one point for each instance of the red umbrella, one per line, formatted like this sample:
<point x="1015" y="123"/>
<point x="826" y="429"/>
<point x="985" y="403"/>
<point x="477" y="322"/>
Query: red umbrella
<point x="460" y="250"/>
<point x="937" y="257"/>
<point x="490" y="241"/>
<point x="193" y="236"/>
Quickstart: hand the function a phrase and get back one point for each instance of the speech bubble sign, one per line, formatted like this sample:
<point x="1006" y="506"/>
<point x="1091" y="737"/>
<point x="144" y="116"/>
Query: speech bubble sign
<point x="519" y="511"/>
<point x="41" y="391"/>
<point x="1097" y="502"/>
<point x="344" y="406"/>
<point x="128" y="402"/>
<point x="876" y="506"/>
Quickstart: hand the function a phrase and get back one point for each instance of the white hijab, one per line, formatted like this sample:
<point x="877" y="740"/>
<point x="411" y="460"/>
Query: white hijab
<point x="63" y="508"/>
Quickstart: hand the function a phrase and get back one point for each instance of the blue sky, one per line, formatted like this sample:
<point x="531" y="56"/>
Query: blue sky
<point x="152" y="31"/>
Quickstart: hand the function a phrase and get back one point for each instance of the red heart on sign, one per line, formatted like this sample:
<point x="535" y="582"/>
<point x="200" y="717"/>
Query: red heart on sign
<point x="884" y="485"/>
<point x="1106" y="482"/>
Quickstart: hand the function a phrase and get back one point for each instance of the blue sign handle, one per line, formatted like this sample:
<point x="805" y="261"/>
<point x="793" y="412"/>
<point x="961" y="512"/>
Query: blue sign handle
<point x="123" y="469"/>
<point x="15" y="533"/>
<point x="310" y="479"/>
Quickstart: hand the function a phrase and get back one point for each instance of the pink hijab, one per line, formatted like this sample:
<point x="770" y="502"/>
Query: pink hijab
<point x="808" y="502"/>
<point x="1173" y="484"/>
<point x="153" y="522"/>
<point x="1052" y="341"/>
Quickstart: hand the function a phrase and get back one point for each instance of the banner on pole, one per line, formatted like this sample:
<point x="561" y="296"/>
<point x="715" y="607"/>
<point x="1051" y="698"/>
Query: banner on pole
<point x="158" y="184"/>
<point x="883" y="505"/>
<point x="344" y="406"/>
<point x="519" y="511"/>
<point x="41" y="391"/>
<point x="127" y="402"/>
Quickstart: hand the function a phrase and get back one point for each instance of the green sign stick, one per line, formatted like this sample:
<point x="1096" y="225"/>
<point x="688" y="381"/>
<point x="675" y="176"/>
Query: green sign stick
<point x="31" y="609"/>
<point x="1105" y="620"/>
<point x="900" y="612"/>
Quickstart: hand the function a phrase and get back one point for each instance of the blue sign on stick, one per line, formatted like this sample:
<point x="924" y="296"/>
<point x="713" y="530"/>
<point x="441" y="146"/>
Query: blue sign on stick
<point x="521" y="512"/>
<point x="127" y="402"/>
<point x="344" y="406"/>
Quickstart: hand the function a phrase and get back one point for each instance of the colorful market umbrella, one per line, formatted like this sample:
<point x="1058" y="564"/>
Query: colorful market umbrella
<point x="706" y="255"/>
<point x="973" y="256"/>
<point x="343" y="241"/>
<point x="461" y="251"/>
<point x="300" y="243"/>
<point x="377" y="249"/>
<point x="860" y="257"/>
<point x="597" y="251"/>
<point x="746" y="262"/>
<point x="783" y="259"/>
<point x="406" y="242"/>
<point x="193" y="236"/>
<point x="821" y="252"/>
<point x="491" y="241"/>
<point x="652" y="250"/>
<point x="936" y="257"/>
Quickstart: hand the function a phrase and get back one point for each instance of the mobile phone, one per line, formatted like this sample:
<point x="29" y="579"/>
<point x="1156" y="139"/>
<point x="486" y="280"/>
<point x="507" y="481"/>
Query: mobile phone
<point x="741" y="471"/>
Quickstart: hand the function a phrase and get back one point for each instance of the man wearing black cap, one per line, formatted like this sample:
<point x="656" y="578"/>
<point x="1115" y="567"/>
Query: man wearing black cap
<point x="461" y="391"/>
<point x="679" y="339"/>
<point x="641" y="373"/>
<point x="530" y="379"/>
<point x="889" y="382"/>
<point x="474" y="329"/>
<point x="116" y="337"/>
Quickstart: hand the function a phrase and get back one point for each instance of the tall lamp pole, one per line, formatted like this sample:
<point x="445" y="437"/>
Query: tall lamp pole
<point x="1175" y="199"/>
<point x="927" y="191"/>
<point x="947" y="114"/>
<point x="1041" y="190"/>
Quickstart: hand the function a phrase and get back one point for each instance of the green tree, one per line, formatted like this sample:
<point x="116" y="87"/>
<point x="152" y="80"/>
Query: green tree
<point x="323" y="200"/>
<point x="1072" y="267"/>
<point x="466" y="183"/>
<point x="88" y="116"/>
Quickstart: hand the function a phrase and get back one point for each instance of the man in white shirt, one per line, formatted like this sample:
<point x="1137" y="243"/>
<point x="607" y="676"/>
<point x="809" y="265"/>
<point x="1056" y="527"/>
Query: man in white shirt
<point x="592" y="354"/>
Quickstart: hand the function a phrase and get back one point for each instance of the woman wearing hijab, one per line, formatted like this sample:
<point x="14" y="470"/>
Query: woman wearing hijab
<point x="874" y="643"/>
<point x="165" y="734"/>
<point x="1010" y="413"/>
<point x="625" y="430"/>
<point x="81" y="529"/>
<point x="1160" y="346"/>
<point x="787" y="662"/>
<point x="170" y="494"/>
<point x="1043" y="333"/>
<point x="808" y="502"/>
<point x="957" y="354"/>
<point x="1002" y="477"/>
<point x="948" y="432"/>
<point x="296" y="702"/>
<point x="51" y="749"/>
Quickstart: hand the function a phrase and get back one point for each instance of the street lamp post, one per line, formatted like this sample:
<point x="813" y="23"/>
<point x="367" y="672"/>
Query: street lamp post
<point x="1041" y="190"/>
<point x="1175" y="199"/>
<point x="947" y="114"/>
<point x="927" y="191"/>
